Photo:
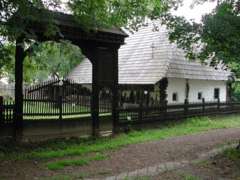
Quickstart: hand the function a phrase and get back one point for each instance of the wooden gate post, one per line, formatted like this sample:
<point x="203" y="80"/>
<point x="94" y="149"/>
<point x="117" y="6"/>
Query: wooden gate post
<point x="1" y="110"/>
<point x="18" y="118"/>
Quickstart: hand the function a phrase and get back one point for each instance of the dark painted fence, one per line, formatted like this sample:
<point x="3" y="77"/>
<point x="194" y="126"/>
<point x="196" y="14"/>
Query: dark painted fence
<point x="172" y="112"/>
<point x="60" y="98"/>
<point x="6" y="113"/>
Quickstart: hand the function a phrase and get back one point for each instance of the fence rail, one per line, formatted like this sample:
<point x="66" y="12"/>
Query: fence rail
<point x="170" y="112"/>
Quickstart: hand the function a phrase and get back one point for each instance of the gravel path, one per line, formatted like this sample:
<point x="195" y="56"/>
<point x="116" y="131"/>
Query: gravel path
<point x="136" y="159"/>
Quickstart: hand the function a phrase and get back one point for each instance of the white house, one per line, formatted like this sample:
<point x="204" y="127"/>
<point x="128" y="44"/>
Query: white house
<point x="147" y="57"/>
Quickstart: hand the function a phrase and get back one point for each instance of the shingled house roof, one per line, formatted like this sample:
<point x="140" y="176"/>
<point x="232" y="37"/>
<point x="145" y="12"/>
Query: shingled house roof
<point x="147" y="57"/>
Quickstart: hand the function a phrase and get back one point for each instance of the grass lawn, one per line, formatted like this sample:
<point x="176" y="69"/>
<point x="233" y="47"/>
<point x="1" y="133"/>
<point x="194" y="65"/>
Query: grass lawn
<point x="81" y="146"/>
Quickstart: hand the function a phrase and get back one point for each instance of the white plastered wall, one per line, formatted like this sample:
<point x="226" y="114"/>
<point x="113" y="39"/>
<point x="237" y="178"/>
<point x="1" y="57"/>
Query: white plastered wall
<point x="195" y="86"/>
<point x="207" y="89"/>
<point x="176" y="86"/>
<point x="89" y="86"/>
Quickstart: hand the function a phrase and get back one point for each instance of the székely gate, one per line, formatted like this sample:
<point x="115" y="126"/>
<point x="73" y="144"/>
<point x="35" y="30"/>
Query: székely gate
<point x="100" y="47"/>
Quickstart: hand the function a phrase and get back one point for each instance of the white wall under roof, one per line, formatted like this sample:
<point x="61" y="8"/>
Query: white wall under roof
<point x="205" y="87"/>
<point x="178" y="85"/>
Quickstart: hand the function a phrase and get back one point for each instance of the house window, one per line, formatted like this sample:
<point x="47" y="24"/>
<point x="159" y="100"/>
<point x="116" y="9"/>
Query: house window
<point x="200" y="95"/>
<point x="174" y="97"/>
<point x="216" y="93"/>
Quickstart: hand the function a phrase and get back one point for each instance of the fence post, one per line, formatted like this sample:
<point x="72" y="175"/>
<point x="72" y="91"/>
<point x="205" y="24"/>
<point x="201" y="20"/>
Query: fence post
<point x="203" y="105"/>
<point x="116" y="127"/>
<point x="140" y="111"/>
<point x="1" y="110"/>
<point x="60" y="112"/>
<point x="232" y="106"/>
<point x="218" y="105"/>
<point x="165" y="109"/>
<point x="185" y="107"/>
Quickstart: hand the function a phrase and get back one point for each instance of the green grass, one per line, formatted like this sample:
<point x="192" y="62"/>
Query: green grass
<point x="232" y="153"/>
<point x="81" y="175"/>
<point x="88" y="145"/>
<point x="200" y="163"/>
<point x="183" y="175"/>
<point x="150" y="177"/>
<point x="58" y="165"/>
<point x="166" y="170"/>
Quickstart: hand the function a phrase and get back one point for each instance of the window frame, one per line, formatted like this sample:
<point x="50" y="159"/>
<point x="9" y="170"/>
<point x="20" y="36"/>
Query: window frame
<point x="175" y="93"/>
<point x="200" y="94"/>
<point x="216" y="93"/>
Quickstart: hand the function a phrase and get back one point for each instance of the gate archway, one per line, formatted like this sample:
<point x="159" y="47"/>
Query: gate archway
<point x="100" y="47"/>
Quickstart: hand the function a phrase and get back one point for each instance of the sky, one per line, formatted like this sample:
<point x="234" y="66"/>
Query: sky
<point x="195" y="13"/>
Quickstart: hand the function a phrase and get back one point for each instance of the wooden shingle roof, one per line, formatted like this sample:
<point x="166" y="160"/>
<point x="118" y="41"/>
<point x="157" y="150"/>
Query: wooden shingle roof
<point x="180" y="67"/>
<point x="147" y="57"/>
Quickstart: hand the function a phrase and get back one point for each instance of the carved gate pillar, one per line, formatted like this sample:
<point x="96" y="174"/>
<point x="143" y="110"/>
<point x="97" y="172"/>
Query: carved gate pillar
<point x="104" y="74"/>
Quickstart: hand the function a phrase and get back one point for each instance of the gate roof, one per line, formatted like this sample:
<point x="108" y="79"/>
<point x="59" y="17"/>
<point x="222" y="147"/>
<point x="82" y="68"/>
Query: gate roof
<point x="73" y="31"/>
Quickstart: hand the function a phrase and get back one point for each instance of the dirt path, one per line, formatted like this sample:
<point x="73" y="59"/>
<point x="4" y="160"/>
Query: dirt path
<point x="128" y="158"/>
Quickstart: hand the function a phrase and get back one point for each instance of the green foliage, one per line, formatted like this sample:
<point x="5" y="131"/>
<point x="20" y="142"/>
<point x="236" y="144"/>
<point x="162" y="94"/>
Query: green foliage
<point x="216" y="37"/>
<point x="51" y="59"/>
<point x="200" y="122"/>
<point x="58" y="59"/>
<point x="124" y="13"/>
<point x="128" y="129"/>
<point x="163" y="84"/>
<point x="17" y="17"/>
<point x="232" y="153"/>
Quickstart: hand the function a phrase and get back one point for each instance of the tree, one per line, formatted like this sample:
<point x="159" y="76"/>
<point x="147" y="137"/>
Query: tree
<point x="213" y="40"/>
<point x="59" y="59"/>
<point x="16" y="17"/>
<point x="103" y="13"/>
<point x="54" y="59"/>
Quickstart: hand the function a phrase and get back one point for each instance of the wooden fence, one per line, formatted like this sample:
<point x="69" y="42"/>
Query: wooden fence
<point x="60" y="97"/>
<point x="65" y="107"/>
<point x="6" y="113"/>
<point x="172" y="112"/>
